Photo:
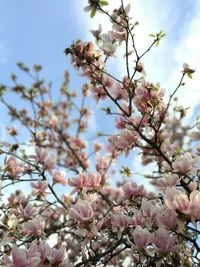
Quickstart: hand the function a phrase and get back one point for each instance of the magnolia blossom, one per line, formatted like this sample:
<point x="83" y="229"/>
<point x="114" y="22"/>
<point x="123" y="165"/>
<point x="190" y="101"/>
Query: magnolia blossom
<point x="141" y="237"/>
<point x="163" y="241"/>
<point x="85" y="180"/>
<point x="195" y="205"/>
<point x="35" y="256"/>
<point x="82" y="211"/>
<point x="26" y="212"/>
<point x="184" y="164"/>
<point x="148" y="97"/>
<point x="33" y="228"/>
<point x="13" y="167"/>
<point x="131" y="189"/>
<point x="123" y="142"/>
<point x="180" y="201"/>
<point x="119" y="223"/>
<point x="167" y="218"/>
<point x="59" y="177"/>
<point x="169" y="180"/>
<point x="40" y="187"/>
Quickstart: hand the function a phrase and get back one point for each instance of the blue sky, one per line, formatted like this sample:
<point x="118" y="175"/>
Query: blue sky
<point x="35" y="31"/>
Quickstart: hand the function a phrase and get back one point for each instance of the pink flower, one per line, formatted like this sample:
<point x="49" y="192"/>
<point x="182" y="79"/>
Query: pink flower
<point x="96" y="33"/>
<point x="163" y="241"/>
<point x="53" y="121"/>
<point x="195" y="136"/>
<point x="141" y="237"/>
<point x="148" y="209"/>
<point x="33" y="228"/>
<point x="21" y="259"/>
<point x="184" y="164"/>
<point x="167" y="218"/>
<point x="98" y="93"/>
<point x="170" y="180"/>
<point x="13" y="167"/>
<point x="93" y="180"/>
<point x="59" y="177"/>
<point x="82" y="211"/>
<point x="119" y="92"/>
<point x="85" y="180"/>
<point x="57" y="256"/>
<point x="40" y="187"/>
<point x="26" y="212"/>
<point x="178" y="200"/>
<point x="137" y="219"/>
<point x="101" y="164"/>
<point x="195" y="205"/>
<point x="148" y="97"/>
<point x="132" y="189"/>
<point x="123" y="142"/>
<point x="119" y="223"/>
<point x="182" y="203"/>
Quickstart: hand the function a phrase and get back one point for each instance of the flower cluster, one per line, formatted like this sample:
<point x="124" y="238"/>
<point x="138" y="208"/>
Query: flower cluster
<point x="66" y="189"/>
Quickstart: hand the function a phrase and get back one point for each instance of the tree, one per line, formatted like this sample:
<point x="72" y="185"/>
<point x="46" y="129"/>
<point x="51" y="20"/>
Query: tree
<point x="98" y="223"/>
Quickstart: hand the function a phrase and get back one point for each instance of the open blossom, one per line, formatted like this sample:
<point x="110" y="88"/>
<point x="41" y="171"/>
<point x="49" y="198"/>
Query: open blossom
<point x="40" y="187"/>
<point x="119" y="223"/>
<point x="26" y="212"/>
<point x="101" y="164"/>
<point x="125" y="141"/>
<point x="85" y="180"/>
<point x="167" y="218"/>
<point x="131" y="189"/>
<point x="148" y="97"/>
<point x="98" y="93"/>
<point x="21" y="259"/>
<point x="163" y="241"/>
<point x="148" y="209"/>
<point x="184" y="164"/>
<point x="36" y="255"/>
<point x="169" y="180"/>
<point x="178" y="200"/>
<point x="141" y="237"/>
<point x="44" y="158"/>
<point x="53" y="120"/>
<point x="195" y="205"/>
<point x="118" y="92"/>
<point x="82" y="211"/>
<point x="59" y="177"/>
<point x="33" y="228"/>
<point x="13" y="166"/>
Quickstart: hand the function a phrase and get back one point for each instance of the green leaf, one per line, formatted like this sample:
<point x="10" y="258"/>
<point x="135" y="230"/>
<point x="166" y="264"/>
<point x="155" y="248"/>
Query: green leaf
<point x="78" y="41"/>
<point x="100" y="133"/>
<point x="93" y="12"/>
<point x="189" y="74"/>
<point x="3" y="89"/>
<point x="157" y="43"/>
<point x="198" y="119"/>
<point x="104" y="3"/>
<point x="163" y="34"/>
<point x="152" y="35"/>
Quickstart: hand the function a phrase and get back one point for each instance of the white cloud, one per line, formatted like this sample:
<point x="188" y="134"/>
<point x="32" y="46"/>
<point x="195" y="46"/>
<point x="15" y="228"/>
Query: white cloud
<point x="189" y="52"/>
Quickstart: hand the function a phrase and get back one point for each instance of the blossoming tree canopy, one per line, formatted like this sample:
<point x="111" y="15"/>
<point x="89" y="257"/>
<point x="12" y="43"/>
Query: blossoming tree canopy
<point x="59" y="204"/>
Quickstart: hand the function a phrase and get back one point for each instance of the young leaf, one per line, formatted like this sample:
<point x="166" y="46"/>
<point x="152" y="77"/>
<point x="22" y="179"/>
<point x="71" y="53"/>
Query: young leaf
<point x="189" y="74"/>
<point x="104" y="3"/>
<point x="3" y="89"/>
<point x="93" y="12"/>
<point x="157" y="43"/>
